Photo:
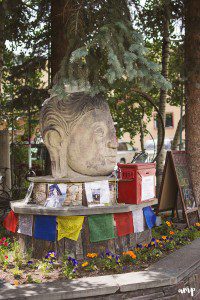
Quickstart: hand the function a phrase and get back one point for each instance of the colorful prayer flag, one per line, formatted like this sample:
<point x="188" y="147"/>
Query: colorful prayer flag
<point x="11" y="221"/>
<point x="124" y="223"/>
<point x="25" y="224"/>
<point x="138" y="220"/>
<point x="101" y="227"/>
<point x="150" y="217"/>
<point x="45" y="228"/>
<point x="69" y="227"/>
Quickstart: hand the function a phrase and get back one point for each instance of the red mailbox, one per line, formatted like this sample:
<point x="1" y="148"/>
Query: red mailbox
<point x="136" y="182"/>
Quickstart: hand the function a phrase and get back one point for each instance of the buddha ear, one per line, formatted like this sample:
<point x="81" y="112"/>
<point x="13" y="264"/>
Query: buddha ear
<point x="99" y="130"/>
<point x="53" y="138"/>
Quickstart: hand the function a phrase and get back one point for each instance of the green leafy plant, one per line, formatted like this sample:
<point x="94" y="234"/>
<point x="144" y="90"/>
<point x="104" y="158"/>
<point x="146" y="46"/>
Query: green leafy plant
<point x="17" y="273"/>
<point x="69" y="266"/>
<point x="17" y="254"/>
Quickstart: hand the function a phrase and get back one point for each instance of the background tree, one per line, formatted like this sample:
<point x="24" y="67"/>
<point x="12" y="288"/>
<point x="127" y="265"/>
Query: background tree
<point x="104" y="49"/>
<point x="24" y="47"/>
<point x="158" y="21"/>
<point x="192" y="69"/>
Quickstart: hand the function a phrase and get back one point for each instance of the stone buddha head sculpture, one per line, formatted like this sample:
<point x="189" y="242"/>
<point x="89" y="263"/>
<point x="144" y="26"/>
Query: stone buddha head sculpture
<point x="79" y="134"/>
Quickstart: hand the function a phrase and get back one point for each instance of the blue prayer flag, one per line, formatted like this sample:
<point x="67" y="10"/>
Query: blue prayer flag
<point x="150" y="217"/>
<point x="45" y="228"/>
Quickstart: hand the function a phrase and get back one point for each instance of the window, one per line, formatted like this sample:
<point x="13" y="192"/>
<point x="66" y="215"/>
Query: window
<point x="169" y="122"/>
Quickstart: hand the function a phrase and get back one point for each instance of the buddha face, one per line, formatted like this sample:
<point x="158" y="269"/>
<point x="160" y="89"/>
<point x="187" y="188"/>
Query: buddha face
<point x="80" y="141"/>
<point x="92" y="145"/>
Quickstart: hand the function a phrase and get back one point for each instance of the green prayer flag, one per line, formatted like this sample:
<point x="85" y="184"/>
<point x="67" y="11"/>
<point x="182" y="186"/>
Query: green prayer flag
<point x="101" y="227"/>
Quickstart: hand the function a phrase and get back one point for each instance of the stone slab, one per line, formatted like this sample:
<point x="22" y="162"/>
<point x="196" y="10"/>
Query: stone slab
<point x="142" y="280"/>
<point x="70" y="289"/>
<point x="20" y="207"/>
<point x="81" y="179"/>
<point x="179" y="263"/>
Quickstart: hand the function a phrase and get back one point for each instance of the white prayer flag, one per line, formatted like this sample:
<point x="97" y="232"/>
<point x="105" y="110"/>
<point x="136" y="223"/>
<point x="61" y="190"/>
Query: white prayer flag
<point x="25" y="224"/>
<point x="138" y="220"/>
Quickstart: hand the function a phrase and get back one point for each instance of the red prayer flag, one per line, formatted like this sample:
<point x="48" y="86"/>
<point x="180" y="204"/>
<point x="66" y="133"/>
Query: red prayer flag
<point x="10" y="222"/>
<point x="124" y="223"/>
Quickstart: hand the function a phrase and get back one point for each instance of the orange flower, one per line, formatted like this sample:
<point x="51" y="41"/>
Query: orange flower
<point x="130" y="253"/>
<point x="197" y="224"/>
<point x="16" y="282"/>
<point x="171" y="232"/>
<point x="92" y="255"/>
<point x="164" y="237"/>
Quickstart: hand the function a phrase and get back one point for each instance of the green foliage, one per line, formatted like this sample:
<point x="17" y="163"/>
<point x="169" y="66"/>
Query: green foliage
<point x="17" y="273"/>
<point x="17" y="254"/>
<point x="149" y="19"/>
<point x="128" y="111"/>
<point x="110" y="51"/>
<point x="126" y="65"/>
<point x="69" y="266"/>
<point x="45" y="267"/>
<point x="26" y="32"/>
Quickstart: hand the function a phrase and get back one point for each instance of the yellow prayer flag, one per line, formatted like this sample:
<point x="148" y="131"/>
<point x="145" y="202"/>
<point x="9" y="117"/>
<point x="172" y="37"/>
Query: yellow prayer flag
<point x="69" y="227"/>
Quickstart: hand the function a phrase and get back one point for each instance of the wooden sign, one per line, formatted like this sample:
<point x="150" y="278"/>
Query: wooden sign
<point x="176" y="181"/>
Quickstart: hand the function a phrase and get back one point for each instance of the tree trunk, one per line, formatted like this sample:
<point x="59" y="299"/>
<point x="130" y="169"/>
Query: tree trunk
<point x="142" y="135"/>
<point x="192" y="69"/>
<point x="176" y="138"/>
<point x="5" y="159"/>
<point x="2" y="41"/>
<point x="163" y="94"/>
<point x="58" y="37"/>
<point x="58" y="50"/>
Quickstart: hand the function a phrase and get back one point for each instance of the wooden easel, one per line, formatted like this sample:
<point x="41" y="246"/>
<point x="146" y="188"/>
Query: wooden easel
<point x="176" y="181"/>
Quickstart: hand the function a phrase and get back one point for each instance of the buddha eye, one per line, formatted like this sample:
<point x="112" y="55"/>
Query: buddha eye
<point x="99" y="132"/>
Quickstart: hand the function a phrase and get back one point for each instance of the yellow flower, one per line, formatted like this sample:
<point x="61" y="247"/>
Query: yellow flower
<point x="171" y="232"/>
<point x="109" y="256"/>
<point x="85" y="264"/>
<point x="92" y="255"/>
<point x="168" y="223"/>
<point x="164" y="237"/>
<point x="152" y="243"/>
<point x="52" y="255"/>
<point x="197" y="224"/>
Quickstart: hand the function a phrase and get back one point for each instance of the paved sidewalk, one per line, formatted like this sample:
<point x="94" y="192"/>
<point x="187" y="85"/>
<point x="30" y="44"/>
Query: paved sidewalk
<point x="166" y="272"/>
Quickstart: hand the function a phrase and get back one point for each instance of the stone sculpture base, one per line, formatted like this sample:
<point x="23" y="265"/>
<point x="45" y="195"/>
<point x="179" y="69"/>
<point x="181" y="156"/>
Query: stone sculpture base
<point x="80" y="248"/>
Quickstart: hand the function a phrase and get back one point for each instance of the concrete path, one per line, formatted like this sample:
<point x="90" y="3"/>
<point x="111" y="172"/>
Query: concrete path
<point x="166" y="272"/>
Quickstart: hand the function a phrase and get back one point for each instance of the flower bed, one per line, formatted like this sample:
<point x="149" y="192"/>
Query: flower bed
<point x="16" y="268"/>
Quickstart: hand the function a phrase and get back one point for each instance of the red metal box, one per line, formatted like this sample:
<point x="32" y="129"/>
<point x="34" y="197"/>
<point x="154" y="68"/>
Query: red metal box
<point x="136" y="182"/>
